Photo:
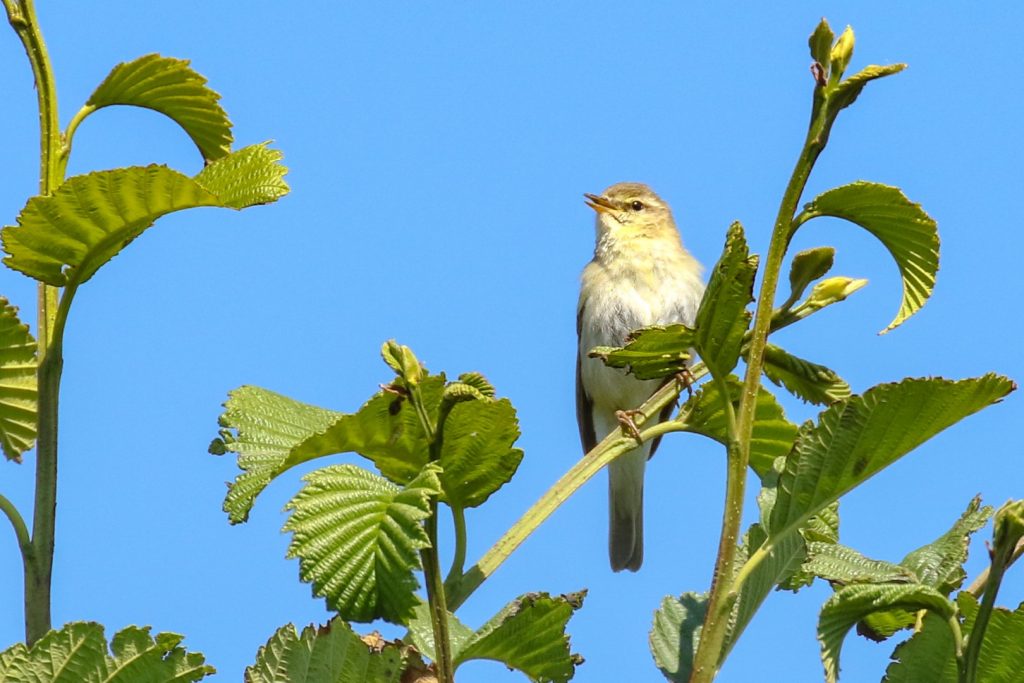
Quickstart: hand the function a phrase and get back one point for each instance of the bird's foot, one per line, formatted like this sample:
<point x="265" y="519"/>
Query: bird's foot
<point x="686" y="381"/>
<point x="626" y="419"/>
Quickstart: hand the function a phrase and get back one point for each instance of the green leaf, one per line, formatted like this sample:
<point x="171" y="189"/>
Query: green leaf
<point x="859" y="436"/>
<point x="62" y="239"/>
<point x="822" y="528"/>
<point x="676" y="633"/>
<point x="773" y="434"/>
<point x="910" y="234"/>
<point x="528" y="635"/>
<point x="358" y="537"/>
<point x="842" y="565"/>
<point x="652" y="352"/>
<point x="262" y="427"/>
<point x="171" y="87"/>
<point x="77" y="653"/>
<point x="324" y="654"/>
<point x="1002" y="650"/>
<point x="386" y="430"/>
<point x="783" y="561"/>
<point x="421" y="631"/>
<point x="846" y="93"/>
<point x="806" y="380"/>
<point x="851" y="604"/>
<point x="940" y="563"/>
<point x="820" y="43"/>
<point x="18" y="392"/>
<point x="808" y="266"/>
<point x="929" y="655"/>
<point x="477" y="454"/>
<point x="249" y="177"/>
<point x="722" y="318"/>
<point x="478" y="382"/>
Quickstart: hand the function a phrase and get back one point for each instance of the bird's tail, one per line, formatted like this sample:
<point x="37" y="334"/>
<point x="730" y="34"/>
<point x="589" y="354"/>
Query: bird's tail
<point x="626" y="510"/>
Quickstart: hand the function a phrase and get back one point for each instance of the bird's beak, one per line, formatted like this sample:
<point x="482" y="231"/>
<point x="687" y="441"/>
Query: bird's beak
<point x="599" y="203"/>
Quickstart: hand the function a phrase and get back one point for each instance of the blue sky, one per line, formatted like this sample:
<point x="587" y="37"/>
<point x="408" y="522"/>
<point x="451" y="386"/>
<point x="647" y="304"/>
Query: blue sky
<point x="438" y="153"/>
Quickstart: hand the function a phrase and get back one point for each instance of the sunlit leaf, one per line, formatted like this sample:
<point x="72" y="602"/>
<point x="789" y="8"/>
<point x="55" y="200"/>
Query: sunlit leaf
<point x="851" y="604"/>
<point x="846" y="92"/>
<point x="859" y="436"/>
<point x="930" y="656"/>
<point x="477" y="453"/>
<point x="18" y="392"/>
<point x="652" y="352"/>
<point x="78" y="653"/>
<point x="676" y="633"/>
<point x="62" y="239"/>
<point x="358" y="537"/>
<point x="910" y="234"/>
<point x="802" y="378"/>
<point x="171" y="87"/>
<point x="783" y="560"/>
<point x="421" y="631"/>
<point x="262" y="427"/>
<point x="820" y="43"/>
<point x="722" y="318"/>
<point x="528" y="635"/>
<point x="324" y="654"/>
<point x="808" y="266"/>
<point x="704" y="413"/>
<point x="927" y="656"/>
<point x="940" y="563"/>
<point x="843" y="565"/>
<point x="386" y="430"/>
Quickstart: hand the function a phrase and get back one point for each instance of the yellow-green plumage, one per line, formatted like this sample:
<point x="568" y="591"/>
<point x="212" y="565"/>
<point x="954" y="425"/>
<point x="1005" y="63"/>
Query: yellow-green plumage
<point x="640" y="275"/>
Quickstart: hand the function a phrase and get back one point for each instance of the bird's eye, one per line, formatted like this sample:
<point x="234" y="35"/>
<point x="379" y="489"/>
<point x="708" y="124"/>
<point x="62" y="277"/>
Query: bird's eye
<point x="637" y="205"/>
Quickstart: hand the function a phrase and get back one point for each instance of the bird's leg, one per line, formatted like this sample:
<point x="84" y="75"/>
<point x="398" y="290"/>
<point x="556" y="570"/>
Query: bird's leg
<point x="625" y="418"/>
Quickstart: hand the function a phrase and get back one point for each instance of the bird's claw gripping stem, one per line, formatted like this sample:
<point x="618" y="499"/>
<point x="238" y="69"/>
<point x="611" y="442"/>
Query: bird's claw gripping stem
<point x="686" y="380"/>
<point x="625" y="418"/>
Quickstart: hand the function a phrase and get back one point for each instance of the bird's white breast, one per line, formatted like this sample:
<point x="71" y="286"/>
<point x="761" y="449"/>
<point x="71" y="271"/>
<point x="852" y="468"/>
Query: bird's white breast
<point x="620" y="295"/>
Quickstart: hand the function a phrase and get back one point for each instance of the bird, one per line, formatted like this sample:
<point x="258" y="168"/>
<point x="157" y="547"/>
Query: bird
<point x="640" y="275"/>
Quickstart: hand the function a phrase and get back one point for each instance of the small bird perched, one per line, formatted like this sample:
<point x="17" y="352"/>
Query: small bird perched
<point x="640" y="275"/>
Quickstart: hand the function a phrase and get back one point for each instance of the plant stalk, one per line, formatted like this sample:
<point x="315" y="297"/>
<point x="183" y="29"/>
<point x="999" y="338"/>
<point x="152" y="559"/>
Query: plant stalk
<point x="613" y="445"/>
<point x="51" y="315"/>
<point x="1002" y="558"/>
<point x="707" y="658"/>
<point x="430" y="557"/>
<point x="459" y="558"/>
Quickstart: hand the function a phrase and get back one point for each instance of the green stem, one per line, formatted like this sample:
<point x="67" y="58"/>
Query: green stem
<point x="977" y="586"/>
<point x="712" y="640"/>
<point x="69" y="136"/>
<point x="1001" y="561"/>
<point x="430" y="558"/>
<point x="22" y="18"/>
<point x="20" y="530"/>
<point x="958" y="644"/>
<point x="613" y="445"/>
<point x="459" y="558"/>
<point x="39" y="573"/>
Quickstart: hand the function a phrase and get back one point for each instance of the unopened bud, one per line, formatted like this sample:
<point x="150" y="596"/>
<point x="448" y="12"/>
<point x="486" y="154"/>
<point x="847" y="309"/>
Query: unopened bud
<point x="1009" y="525"/>
<point x="842" y="51"/>
<point x="833" y="289"/>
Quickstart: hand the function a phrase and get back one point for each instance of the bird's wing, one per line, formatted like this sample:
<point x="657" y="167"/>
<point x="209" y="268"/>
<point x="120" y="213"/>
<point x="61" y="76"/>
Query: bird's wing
<point x="584" y="406"/>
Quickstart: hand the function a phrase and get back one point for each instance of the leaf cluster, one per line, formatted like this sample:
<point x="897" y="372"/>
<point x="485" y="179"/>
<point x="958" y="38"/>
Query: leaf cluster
<point x="360" y="536"/>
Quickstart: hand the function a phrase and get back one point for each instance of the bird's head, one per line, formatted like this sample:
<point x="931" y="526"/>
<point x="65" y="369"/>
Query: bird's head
<point x="628" y="210"/>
